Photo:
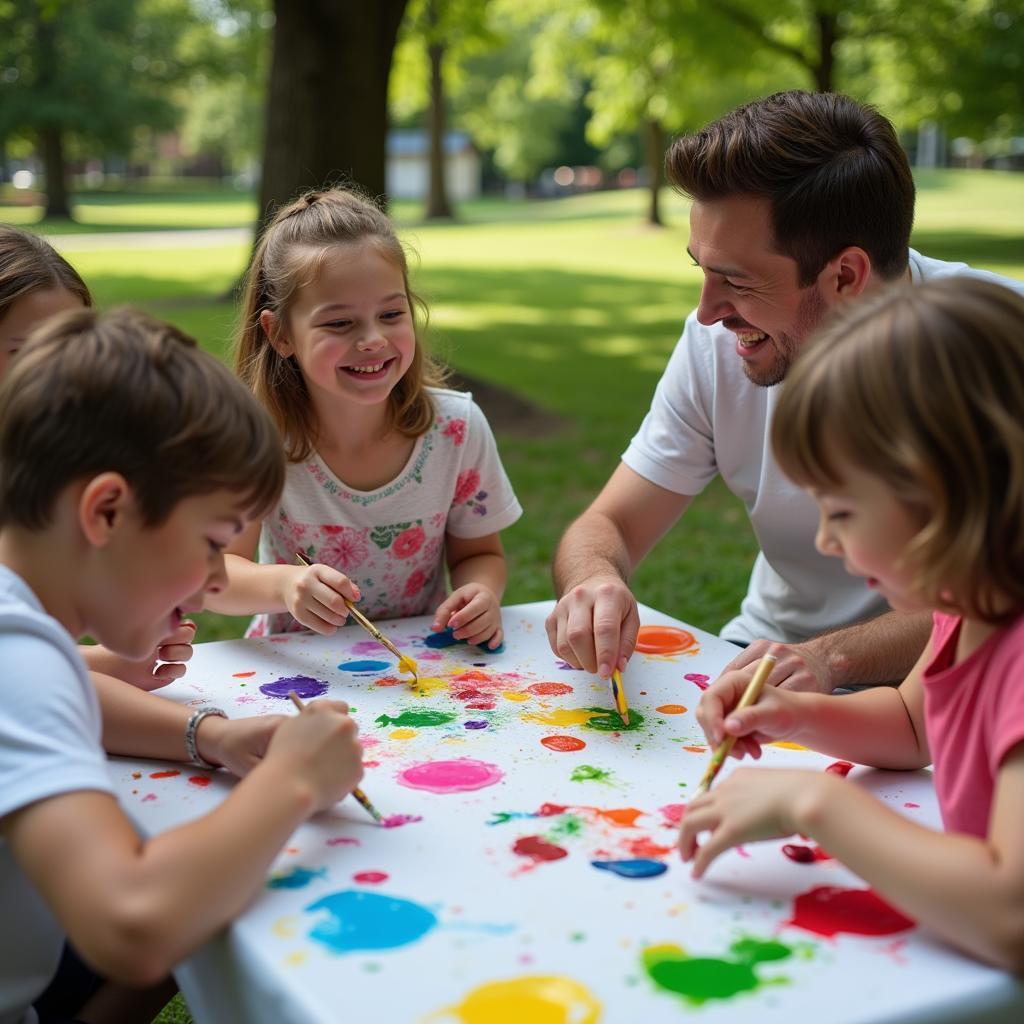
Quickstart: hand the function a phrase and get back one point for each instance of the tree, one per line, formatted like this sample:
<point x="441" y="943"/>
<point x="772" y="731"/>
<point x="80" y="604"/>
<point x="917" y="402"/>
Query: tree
<point x="326" y="116"/>
<point x="86" y="75"/>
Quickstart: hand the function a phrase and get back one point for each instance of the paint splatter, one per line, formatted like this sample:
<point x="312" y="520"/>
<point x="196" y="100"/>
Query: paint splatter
<point x="366" y="920"/>
<point x="549" y="689"/>
<point x="474" y="725"/>
<point x="663" y="640"/>
<point x="588" y="773"/>
<point x="563" y="744"/>
<point x="671" y="709"/>
<point x="342" y="841"/>
<point x="701" y="681"/>
<point x="202" y="781"/>
<point x="458" y="776"/>
<point x="540" y="999"/>
<point x="673" y="814"/>
<point x="363" y="666"/>
<point x="370" y="877"/>
<point x="164" y="775"/>
<point x="305" y="686"/>
<point x="402" y="734"/>
<point x="840" y="768"/>
<point x="538" y="849"/>
<point x="608" y="720"/>
<point x="417" y="719"/>
<point x="805" y="854"/>
<point x="242" y="675"/>
<point x="912" y="805"/>
<point x="829" y="910"/>
<point x="700" y="979"/>
<point x="296" y="877"/>
<point x="560" y="717"/>
<point x="638" y="868"/>
<point x="398" y="820"/>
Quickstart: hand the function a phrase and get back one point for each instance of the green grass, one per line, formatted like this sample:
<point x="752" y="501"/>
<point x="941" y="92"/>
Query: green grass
<point x="572" y="304"/>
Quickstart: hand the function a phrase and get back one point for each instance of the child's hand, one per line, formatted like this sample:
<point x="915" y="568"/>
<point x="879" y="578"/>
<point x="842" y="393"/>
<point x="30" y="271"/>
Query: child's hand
<point x="775" y="716"/>
<point x="239" y="744"/>
<point x="473" y="613"/>
<point x="750" y="805"/>
<point x="166" y="664"/>
<point x="319" y="747"/>
<point x="315" y="596"/>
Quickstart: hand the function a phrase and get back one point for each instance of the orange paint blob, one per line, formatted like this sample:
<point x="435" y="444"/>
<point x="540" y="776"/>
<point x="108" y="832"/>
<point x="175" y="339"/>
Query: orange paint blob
<point x="202" y="781"/>
<point x="562" y="743"/>
<point x="164" y="775"/>
<point x="663" y="640"/>
<point x="242" y="675"/>
<point x="549" y="689"/>
<point x="671" y="709"/>
<point x="624" y="817"/>
<point x="696" y="750"/>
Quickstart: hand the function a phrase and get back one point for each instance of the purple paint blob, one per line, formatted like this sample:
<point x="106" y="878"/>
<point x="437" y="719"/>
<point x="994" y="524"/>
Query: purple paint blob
<point x="363" y="666"/>
<point x="305" y="686"/>
<point x="641" y="868"/>
<point x="458" y="776"/>
<point x="365" y="647"/>
<point x="474" y="725"/>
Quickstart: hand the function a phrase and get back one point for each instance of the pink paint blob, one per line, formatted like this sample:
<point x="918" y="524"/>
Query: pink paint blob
<point x="370" y="877"/>
<point x="458" y="776"/>
<point x="673" y="814"/>
<point x="828" y="910"/>
<point x="398" y="820"/>
<point x="840" y="768"/>
<point x="909" y="804"/>
<point x="342" y="841"/>
<point x="698" y="679"/>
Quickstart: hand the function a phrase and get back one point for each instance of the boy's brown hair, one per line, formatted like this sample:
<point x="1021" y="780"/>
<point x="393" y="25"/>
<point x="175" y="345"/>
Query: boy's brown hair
<point x="28" y="263"/>
<point x="289" y="255"/>
<point x="922" y="386"/>
<point x="831" y="167"/>
<point x="125" y="393"/>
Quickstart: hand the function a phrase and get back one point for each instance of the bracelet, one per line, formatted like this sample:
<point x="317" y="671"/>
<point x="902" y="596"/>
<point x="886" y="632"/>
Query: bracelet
<point x="190" y="734"/>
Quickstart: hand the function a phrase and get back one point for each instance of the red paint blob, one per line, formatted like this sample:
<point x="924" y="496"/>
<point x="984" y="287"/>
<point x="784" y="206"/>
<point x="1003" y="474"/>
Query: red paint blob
<point x="562" y="743"/>
<point x="671" y="709"/>
<point x="538" y="849"/>
<point x="202" y="781"/>
<point x="839" y="768"/>
<point x="470" y="695"/>
<point x="481" y="705"/>
<point x="805" y="854"/>
<point x="242" y="675"/>
<point x="388" y="681"/>
<point x="549" y="689"/>
<point x="164" y="775"/>
<point x="370" y="877"/>
<point x="550" y="810"/>
<point x="828" y="910"/>
<point x="663" y="640"/>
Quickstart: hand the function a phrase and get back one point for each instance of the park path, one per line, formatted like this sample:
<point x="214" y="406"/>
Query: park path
<point x="172" y="239"/>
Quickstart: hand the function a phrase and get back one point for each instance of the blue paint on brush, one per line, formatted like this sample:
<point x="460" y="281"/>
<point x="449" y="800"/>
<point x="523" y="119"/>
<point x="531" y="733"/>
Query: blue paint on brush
<point x="641" y="868"/>
<point x="366" y="920"/>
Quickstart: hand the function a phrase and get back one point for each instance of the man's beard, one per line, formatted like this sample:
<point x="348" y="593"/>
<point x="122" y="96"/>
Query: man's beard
<point x="809" y="315"/>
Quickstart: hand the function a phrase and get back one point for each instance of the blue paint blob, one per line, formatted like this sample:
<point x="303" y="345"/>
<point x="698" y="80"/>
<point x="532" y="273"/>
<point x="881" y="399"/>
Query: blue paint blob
<point x="297" y="877"/>
<point x="305" y="686"/>
<point x="364" y="666"/>
<point x="642" y="868"/>
<point x="366" y="920"/>
<point x="446" y="638"/>
<point x="474" y="725"/>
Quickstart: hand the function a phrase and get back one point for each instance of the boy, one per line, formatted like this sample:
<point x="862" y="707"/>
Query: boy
<point x="128" y="461"/>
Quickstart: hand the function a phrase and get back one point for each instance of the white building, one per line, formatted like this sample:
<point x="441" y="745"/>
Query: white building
<point x="408" y="166"/>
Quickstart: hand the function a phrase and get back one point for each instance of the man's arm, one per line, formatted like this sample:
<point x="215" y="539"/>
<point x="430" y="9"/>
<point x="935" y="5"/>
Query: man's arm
<point x="594" y="624"/>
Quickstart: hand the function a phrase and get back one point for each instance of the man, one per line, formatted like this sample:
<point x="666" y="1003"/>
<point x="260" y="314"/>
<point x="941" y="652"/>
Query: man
<point x="801" y="202"/>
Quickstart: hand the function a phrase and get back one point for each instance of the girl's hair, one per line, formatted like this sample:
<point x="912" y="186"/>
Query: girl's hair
<point x="289" y="256"/>
<point x="28" y="263"/>
<point x="923" y="387"/>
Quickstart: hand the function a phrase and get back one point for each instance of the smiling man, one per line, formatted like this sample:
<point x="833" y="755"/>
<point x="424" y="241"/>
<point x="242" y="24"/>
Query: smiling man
<point x="801" y="202"/>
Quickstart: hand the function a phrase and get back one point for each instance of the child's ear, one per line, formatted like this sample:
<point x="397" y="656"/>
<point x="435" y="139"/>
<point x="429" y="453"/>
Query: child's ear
<point x="271" y="325"/>
<point x="103" y="507"/>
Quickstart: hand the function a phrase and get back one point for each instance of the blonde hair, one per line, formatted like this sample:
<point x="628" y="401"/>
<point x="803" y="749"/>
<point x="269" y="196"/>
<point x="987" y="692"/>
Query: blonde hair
<point x="923" y="387"/>
<point x="289" y="256"/>
<point x="29" y="263"/>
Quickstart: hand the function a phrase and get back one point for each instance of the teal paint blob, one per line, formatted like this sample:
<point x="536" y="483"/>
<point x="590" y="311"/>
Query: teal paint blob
<point x="366" y="920"/>
<point x="297" y="877"/>
<point x="364" y="666"/>
<point x="641" y="868"/>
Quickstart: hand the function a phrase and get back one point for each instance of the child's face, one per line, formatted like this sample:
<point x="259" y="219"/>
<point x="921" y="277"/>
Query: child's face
<point x="351" y="329"/>
<point x="155" y="576"/>
<point x="863" y="523"/>
<point x="27" y="313"/>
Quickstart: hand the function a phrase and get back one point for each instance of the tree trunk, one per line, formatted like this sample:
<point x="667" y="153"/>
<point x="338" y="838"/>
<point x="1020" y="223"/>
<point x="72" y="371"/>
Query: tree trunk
<point x="654" y="155"/>
<point x="327" y="97"/>
<point x="828" y="34"/>
<point x="58" y="200"/>
<point x="437" y="195"/>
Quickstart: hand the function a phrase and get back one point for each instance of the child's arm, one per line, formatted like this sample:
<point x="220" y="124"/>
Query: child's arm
<point x="970" y="891"/>
<point x="172" y="654"/>
<point x="478" y="573"/>
<point x="314" y="595"/>
<point x="135" y="908"/>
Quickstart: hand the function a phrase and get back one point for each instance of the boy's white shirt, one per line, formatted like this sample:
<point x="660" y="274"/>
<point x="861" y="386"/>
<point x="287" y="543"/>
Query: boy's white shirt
<point x="50" y="743"/>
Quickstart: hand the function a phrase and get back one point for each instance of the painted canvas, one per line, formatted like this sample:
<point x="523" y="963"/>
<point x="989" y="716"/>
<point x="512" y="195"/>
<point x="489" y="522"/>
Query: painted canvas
<point x="526" y="868"/>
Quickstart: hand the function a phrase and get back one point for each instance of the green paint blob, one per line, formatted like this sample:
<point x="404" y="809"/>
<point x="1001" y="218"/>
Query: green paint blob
<point x="417" y="719"/>
<point x="759" y="951"/>
<point x="588" y="773"/>
<point x="608" y="720"/>
<point x="570" y="825"/>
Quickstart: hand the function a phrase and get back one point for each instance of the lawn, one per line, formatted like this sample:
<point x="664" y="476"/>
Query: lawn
<point x="571" y="304"/>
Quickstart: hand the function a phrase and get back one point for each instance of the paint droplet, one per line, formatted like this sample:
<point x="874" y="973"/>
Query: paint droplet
<point x="695" y="749"/>
<point x="202" y="781"/>
<point x="297" y="877"/>
<point x="549" y="689"/>
<point x="418" y="719"/>
<point x="671" y="709"/>
<point x="663" y="640"/>
<point x="588" y="773"/>
<point x="363" y="666"/>
<point x="563" y="744"/>
<point x="516" y="696"/>
<point x="136" y="775"/>
<point x="538" y="849"/>
<point x="402" y="734"/>
<point x="698" y="679"/>
<point x="342" y="841"/>
<point x="474" y="725"/>
<point x="305" y="686"/>
<point x="164" y="775"/>
<point x="805" y="854"/>
<point x="370" y="877"/>
<point x="839" y="768"/>
<point x="458" y="776"/>
<point x="398" y="820"/>
<point x="908" y="804"/>
<point x="828" y="910"/>
<point x="639" y="868"/>
<point x="242" y="675"/>
<point x="367" y="920"/>
<point x="673" y="814"/>
<point x="541" y="999"/>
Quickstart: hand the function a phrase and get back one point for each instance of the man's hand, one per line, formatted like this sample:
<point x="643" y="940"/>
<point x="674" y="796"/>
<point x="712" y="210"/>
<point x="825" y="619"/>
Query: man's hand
<point x="594" y="625"/>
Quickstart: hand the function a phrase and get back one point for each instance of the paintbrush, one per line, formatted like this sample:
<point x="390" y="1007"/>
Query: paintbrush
<point x="405" y="664"/>
<point x="619" y="695"/>
<point x="357" y="793"/>
<point x="750" y="696"/>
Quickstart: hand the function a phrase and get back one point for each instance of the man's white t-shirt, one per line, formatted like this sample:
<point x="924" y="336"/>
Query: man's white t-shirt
<point x="50" y="743"/>
<point x="707" y="418"/>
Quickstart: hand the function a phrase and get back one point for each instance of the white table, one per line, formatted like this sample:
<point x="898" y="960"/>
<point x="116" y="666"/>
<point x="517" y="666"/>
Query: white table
<point x="462" y="915"/>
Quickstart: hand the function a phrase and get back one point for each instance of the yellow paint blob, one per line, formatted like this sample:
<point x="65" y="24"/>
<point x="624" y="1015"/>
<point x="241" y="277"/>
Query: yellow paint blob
<point x="296" y="959"/>
<point x="787" y="745"/>
<point x="406" y="664"/>
<point x="516" y="696"/>
<point x="537" y="999"/>
<point x="285" y="927"/>
<point x="429" y="685"/>
<point x="560" y="716"/>
<point x="402" y="734"/>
